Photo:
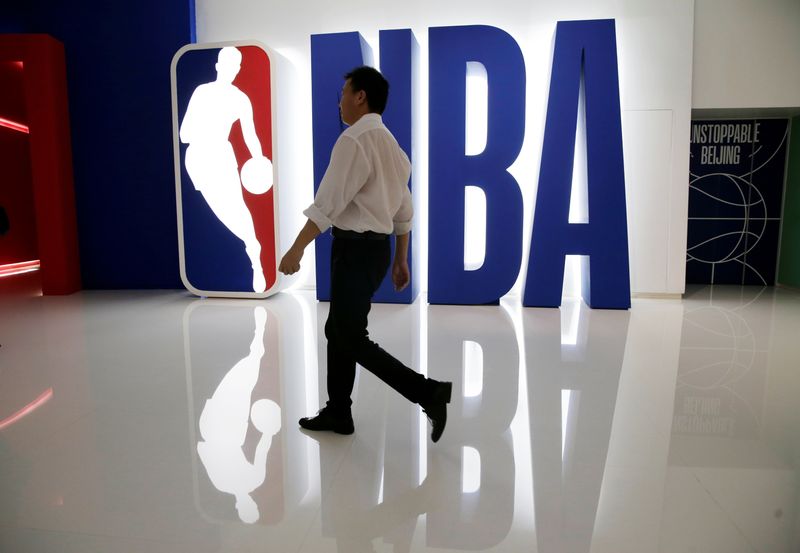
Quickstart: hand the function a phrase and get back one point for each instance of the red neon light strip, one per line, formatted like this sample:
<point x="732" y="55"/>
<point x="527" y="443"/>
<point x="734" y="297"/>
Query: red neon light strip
<point x="18" y="268"/>
<point x="28" y="409"/>
<point x="14" y="126"/>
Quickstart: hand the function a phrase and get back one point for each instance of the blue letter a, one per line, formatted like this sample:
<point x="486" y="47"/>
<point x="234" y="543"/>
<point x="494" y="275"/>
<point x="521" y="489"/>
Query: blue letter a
<point x="585" y="48"/>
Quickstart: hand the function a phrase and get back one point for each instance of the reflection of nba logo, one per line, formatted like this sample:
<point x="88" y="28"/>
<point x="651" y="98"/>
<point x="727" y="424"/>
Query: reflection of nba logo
<point x="224" y="166"/>
<point x="235" y="415"/>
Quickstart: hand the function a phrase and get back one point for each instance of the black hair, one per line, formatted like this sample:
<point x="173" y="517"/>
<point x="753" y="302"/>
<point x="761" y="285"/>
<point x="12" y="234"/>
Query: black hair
<point x="373" y="84"/>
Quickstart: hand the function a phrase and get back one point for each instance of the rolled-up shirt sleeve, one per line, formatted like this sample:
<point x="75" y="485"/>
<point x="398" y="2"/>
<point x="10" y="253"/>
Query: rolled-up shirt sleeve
<point x="347" y="172"/>
<point x="402" y="219"/>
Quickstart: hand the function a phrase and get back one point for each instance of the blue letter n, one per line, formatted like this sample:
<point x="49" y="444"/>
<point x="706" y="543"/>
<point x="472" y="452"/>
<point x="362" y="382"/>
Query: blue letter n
<point x="332" y="56"/>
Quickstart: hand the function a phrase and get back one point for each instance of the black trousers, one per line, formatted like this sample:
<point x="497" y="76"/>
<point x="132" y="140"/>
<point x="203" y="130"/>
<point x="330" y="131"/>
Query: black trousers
<point x="358" y="267"/>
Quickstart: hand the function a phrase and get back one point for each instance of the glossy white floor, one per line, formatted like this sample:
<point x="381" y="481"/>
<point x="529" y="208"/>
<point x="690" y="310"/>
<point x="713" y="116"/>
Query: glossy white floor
<point x="158" y="422"/>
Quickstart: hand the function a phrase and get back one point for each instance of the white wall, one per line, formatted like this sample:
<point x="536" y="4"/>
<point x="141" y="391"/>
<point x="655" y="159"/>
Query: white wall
<point x="746" y="54"/>
<point x="655" y="59"/>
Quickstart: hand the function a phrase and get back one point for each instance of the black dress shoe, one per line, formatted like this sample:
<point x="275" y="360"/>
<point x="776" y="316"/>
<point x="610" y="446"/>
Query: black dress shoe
<point x="326" y="420"/>
<point x="436" y="408"/>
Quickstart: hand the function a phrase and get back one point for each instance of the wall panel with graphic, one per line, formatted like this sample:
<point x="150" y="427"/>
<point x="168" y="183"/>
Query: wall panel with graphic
<point x="735" y="193"/>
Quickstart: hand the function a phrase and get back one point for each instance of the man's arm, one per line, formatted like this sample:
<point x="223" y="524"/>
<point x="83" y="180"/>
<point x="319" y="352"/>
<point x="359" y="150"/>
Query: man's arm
<point x="346" y="174"/>
<point x="290" y="263"/>
<point x="401" y="275"/>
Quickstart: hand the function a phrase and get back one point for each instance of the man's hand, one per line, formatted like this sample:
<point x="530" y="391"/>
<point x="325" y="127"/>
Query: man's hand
<point x="401" y="276"/>
<point x="290" y="263"/>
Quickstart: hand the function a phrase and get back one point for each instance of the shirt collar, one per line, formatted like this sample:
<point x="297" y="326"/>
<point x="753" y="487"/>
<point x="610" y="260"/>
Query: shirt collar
<point x="369" y="118"/>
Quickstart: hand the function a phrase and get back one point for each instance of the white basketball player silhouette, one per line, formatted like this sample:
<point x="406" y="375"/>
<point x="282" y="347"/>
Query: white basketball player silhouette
<point x="224" y="423"/>
<point x="213" y="108"/>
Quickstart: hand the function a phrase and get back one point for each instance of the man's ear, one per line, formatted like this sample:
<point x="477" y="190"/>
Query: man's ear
<point x="361" y="97"/>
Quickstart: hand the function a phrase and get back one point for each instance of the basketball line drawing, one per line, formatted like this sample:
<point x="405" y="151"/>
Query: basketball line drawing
<point x="749" y="234"/>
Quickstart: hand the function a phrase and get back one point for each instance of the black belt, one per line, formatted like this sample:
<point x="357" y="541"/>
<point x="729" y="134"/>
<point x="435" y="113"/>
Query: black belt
<point x="353" y="235"/>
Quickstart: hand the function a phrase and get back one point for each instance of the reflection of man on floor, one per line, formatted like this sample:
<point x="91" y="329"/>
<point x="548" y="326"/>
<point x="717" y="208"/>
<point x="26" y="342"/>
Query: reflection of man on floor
<point x="213" y="108"/>
<point x="224" y="423"/>
<point x="355" y="527"/>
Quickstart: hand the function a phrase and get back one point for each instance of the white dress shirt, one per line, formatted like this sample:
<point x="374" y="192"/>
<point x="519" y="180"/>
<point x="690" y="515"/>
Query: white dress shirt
<point x="365" y="187"/>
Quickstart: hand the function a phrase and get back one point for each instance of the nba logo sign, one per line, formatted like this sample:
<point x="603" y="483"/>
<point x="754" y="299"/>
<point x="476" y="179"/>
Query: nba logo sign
<point x="224" y="171"/>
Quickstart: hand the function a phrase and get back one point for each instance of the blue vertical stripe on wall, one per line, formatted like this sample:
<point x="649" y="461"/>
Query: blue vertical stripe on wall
<point x="118" y="58"/>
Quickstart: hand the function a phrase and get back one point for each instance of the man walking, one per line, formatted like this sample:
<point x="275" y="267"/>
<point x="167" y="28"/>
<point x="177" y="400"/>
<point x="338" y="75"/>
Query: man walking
<point x="364" y="196"/>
